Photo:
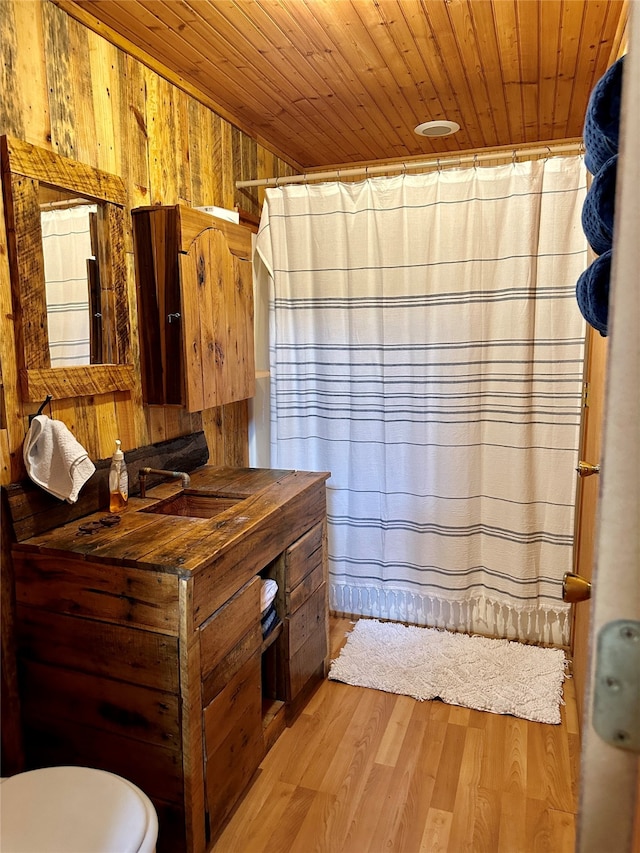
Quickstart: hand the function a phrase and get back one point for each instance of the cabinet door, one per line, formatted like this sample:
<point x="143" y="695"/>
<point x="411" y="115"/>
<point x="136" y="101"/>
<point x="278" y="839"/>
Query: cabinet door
<point x="234" y="744"/>
<point x="306" y="643"/>
<point x="229" y="638"/>
<point x="217" y="318"/>
<point x="156" y="248"/>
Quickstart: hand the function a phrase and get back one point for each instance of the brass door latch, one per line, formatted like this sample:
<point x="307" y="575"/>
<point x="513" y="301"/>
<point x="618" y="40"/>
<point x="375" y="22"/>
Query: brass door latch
<point x="584" y="469"/>
<point x="575" y="588"/>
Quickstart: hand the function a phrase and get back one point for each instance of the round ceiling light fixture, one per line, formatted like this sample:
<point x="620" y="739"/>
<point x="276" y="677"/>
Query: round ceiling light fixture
<point x="441" y="127"/>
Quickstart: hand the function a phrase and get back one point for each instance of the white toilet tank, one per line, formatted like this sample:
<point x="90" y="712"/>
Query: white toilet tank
<point x="75" y="810"/>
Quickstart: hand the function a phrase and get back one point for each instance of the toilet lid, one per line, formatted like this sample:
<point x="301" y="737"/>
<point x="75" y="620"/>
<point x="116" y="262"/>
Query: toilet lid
<point x="71" y="810"/>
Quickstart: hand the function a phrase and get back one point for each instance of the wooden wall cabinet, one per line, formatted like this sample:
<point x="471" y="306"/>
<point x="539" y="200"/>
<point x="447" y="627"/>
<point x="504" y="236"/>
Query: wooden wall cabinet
<point x="195" y="308"/>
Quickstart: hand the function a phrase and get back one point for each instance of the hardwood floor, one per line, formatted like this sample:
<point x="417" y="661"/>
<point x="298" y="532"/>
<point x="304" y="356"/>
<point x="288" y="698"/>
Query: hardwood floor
<point x="362" y="771"/>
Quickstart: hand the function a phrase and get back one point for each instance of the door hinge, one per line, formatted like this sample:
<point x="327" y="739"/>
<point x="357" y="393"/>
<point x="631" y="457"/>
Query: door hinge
<point x="585" y="395"/>
<point x="616" y="696"/>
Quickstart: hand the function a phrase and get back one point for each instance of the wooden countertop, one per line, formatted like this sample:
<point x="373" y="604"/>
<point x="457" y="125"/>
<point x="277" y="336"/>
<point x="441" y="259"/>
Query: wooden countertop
<point x="269" y="501"/>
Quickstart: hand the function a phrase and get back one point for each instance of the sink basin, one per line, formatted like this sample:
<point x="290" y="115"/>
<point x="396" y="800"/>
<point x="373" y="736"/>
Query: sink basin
<point x="193" y="504"/>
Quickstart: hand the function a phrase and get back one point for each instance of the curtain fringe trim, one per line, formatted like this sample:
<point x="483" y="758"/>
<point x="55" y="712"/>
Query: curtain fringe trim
<point x="527" y="623"/>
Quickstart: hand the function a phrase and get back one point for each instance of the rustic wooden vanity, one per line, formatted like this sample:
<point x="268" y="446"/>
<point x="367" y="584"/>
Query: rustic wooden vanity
<point x="140" y="645"/>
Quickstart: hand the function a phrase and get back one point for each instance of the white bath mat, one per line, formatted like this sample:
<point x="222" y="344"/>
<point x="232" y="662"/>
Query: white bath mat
<point x="475" y="672"/>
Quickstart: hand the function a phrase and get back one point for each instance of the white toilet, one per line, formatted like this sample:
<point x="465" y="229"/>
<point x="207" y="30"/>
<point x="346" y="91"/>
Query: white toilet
<point x="75" y="810"/>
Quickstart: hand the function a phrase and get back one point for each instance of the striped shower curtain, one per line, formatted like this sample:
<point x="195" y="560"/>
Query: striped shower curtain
<point x="66" y="244"/>
<point x="426" y="348"/>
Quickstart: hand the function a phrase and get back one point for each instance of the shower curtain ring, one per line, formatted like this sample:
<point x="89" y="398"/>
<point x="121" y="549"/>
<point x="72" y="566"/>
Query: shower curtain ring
<point x="404" y="168"/>
<point x="438" y="164"/>
<point x="475" y="161"/>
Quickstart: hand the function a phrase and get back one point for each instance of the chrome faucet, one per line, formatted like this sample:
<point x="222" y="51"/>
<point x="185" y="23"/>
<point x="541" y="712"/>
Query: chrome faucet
<point x="143" y="472"/>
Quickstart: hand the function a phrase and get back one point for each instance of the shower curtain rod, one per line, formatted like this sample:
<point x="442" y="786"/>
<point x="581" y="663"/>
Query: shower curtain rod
<point x="438" y="162"/>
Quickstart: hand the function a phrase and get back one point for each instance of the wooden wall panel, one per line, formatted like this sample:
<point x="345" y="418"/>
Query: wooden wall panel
<point x="68" y="89"/>
<point x="59" y="80"/>
<point x="132" y="131"/>
<point x="245" y="162"/>
<point x="205" y="134"/>
<point x="165" y="128"/>
<point x="106" y="96"/>
<point x="10" y="107"/>
<point x="12" y="415"/>
<point x="86" y="139"/>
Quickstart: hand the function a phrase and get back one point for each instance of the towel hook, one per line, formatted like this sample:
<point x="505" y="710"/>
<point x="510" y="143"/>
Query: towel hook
<point x="47" y="400"/>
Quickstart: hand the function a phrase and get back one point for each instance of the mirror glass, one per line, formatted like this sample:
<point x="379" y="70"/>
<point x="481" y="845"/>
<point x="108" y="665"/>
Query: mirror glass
<point x="72" y="281"/>
<point x="65" y="224"/>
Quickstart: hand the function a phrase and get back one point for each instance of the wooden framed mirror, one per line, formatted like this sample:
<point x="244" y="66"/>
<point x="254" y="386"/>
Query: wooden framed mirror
<point x="93" y="355"/>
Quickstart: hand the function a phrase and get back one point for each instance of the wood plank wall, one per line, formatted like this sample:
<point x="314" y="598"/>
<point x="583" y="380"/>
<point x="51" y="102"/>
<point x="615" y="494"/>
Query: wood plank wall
<point x="66" y="88"/>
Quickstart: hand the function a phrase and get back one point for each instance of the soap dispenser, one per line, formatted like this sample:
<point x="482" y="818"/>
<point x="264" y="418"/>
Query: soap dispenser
<point x="118" y="481"/>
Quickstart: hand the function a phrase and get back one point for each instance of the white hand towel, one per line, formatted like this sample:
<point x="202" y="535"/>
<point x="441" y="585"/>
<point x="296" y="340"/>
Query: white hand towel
<point x="55" y="461"/>
<point x="268" y="591"/>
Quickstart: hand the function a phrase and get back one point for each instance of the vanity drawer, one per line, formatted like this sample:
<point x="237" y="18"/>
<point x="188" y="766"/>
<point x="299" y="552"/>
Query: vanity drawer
<point x="229" y="626"/>
<point x="303" y="557"/>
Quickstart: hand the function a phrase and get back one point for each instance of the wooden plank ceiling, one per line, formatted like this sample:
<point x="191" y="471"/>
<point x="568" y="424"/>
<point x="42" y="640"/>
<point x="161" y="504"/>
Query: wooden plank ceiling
<point x="328" y="82"/>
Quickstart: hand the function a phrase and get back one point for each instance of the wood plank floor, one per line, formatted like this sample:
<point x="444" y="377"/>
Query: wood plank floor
<point x="362" y="771"/>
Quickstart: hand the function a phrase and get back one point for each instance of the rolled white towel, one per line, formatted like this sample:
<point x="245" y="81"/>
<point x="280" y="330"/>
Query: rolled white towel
<point x="268" y="592"/>
<point x="54" y="460"/>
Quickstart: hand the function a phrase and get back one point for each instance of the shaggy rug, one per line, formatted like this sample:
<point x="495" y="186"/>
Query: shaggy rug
<point x="475" y="672"/>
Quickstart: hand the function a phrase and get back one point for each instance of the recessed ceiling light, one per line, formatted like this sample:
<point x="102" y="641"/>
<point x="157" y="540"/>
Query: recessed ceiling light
<point x="437" y="128"/>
